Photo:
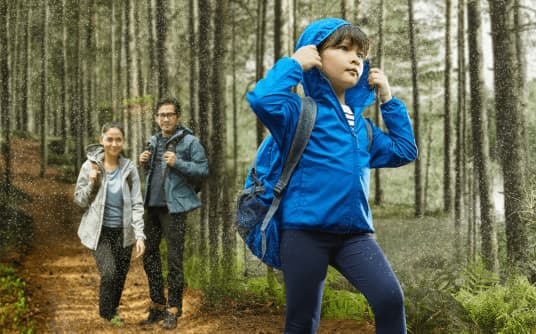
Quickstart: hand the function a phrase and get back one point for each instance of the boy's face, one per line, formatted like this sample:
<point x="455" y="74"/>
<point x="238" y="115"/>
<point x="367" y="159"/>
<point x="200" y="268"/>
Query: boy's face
<point x="167" y="119"/>
<point x="342" y="64"/>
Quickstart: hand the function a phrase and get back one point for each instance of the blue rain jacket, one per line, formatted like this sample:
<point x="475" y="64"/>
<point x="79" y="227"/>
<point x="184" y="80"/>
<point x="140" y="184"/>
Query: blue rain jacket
<point x="330" y="186"/>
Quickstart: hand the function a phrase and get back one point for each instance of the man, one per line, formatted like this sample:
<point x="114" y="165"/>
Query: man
<point x="173" y="160"/>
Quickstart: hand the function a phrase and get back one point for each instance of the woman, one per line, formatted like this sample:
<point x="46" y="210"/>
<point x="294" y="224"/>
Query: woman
<point x="108" y="187"/>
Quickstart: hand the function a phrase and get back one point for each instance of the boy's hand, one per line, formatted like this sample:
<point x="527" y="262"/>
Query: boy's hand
<point x="144" y="156"/>
<point x="378" y="80"/>
<point x="308" y="57"/>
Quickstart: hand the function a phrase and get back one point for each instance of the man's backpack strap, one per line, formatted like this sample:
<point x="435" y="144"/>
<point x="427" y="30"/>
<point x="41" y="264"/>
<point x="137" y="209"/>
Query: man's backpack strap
<point x="304" y="128"/>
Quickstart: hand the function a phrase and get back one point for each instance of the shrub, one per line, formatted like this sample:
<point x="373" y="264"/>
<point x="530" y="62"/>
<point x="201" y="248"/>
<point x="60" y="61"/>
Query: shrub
<point x="14" y="312"/>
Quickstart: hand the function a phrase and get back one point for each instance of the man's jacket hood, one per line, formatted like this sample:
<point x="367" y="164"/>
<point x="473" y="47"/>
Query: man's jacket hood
<point x="315" y="84"/>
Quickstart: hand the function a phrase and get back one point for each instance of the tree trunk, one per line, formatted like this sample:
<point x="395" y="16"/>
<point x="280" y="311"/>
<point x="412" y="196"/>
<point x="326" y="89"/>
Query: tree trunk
<point x="235" y="102"/>
<point x="91" y="64"/>
<point x="4" y="97"/>
<point x="25" y="69"/>
<point x="509" y="137"/>
<point x="460" y="149"/>
<point x="480" y="137"/>
<point x="204" y="106"/>
<point x="63" y="79"/>
<point x="416" y="122"/>
<point x="193" y="64"/>
<point x="150" y="49"/>
<point x="447" y="187"/>
<point x="219" y="194"/>
<point x="259" y="64"/>
<point x="43" y="127"/>
<point x="344" y="9"/>
<point x="378" y="192"/>
<point x="129" y="107"/>
<point x="161" y="33"/>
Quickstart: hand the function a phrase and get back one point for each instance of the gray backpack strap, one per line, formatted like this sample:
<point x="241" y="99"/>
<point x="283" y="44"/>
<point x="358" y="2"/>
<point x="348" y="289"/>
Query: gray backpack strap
<point x="369" y="133"/>
<point x="304" y="128"/>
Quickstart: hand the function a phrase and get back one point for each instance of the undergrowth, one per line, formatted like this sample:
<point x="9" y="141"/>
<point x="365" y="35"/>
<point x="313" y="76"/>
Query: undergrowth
<point x="14" y="312"/>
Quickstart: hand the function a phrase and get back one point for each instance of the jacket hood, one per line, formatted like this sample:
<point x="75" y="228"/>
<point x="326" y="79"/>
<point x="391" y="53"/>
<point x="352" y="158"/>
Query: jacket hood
<point x="316" y="85"/>
<point x="95" y="153"/>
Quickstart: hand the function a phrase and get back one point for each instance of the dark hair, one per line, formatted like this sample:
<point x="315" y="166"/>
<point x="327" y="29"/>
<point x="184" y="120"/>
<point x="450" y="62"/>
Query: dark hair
<point x="349" y="31"/>
<point x="112" y="125"/>
<point x="169" y="100"/>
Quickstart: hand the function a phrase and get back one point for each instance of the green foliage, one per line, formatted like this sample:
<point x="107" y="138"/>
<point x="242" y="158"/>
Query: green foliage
<point x="14" y="312"/>
<point x="502" y="309"/>
<point x="344" y="304"/>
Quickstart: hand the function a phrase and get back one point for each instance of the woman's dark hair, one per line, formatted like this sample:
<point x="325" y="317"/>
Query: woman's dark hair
<point x="349" y="31"/>
<point x="169" y="100"/>
<point x="112" y="125"/>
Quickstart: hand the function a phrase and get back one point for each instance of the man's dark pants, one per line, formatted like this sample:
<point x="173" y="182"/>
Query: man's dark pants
<point x="172" y="227"/>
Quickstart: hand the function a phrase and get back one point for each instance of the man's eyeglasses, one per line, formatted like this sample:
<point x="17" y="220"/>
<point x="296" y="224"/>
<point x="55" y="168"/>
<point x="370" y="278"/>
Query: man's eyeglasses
<point x="168" y="115"/>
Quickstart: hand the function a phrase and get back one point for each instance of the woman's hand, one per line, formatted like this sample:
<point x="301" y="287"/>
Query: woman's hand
<point x="378" y="79"/>
<point x="308" y="57"/>
<point x="94" y="173"/>
<point x="140" y="247"/>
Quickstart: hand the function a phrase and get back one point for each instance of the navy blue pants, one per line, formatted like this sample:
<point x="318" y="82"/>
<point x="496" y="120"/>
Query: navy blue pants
<point x="305" y="256"/>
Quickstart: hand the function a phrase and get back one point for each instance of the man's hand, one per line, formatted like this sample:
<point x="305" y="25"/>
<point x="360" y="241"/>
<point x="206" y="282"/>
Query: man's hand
<point x="308" y="57"/>
<point x="140" y="247"/>
<point x="144" y="156"/>
<point x="170" y="157"/>
<point x="378" y="79"/>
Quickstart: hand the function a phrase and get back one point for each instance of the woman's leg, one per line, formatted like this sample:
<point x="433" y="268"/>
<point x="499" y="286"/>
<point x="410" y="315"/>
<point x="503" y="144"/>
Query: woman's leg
<point x="122" y="259"/>
<point x="304" y="259"/>
<point x="361" y="260"/>
<point x="107" y="270"/>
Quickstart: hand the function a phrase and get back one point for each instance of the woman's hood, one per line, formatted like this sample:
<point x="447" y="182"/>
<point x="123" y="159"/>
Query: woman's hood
<point x="315" y="84"/>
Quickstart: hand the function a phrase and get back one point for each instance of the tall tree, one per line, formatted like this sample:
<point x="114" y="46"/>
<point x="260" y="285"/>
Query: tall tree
<point x="22" y="114"/>
<point x="161" y="34"/>
<point x="203" y="97"/>
<point x="521" y="67"/>
<point x="150" y="48"/>
<point x="416" y="122"/>
<point x="219" y="187"/>
<point x="344" y="9"/>
<point x="378" y="192"/>
<point x="508" y="121"/>
<point x="193" y="63"/>
<point x="459" y="167"/>
<point x="43" y="99"/>
<point x="479" y="127"/>
<point x="4" y="97"/>
<point x="447" y="187"/>
<point x="259" y="59"/>
<point x="90" y="67"/>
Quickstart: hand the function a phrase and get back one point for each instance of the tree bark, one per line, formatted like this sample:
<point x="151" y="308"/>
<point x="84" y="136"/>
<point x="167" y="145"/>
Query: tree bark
<point x="150" y="49"/>
<point x="378" y="192"/>
<point x="259" y="64"/>
<point x="43" y="126"/>
<point x="447" y="187"/>
<point x="193" y="64"/>
<point x="459" y="168"/>
<point x="416" y="121"/>
<point x="161" y="34"/>
<point x="4" y="97"/>
<point x="479" y="124"/>
<point x="509" y="138"/>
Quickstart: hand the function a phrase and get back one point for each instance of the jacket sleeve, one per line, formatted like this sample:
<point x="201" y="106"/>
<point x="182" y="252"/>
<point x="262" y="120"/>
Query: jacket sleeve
<point x="137" y="205"/>
<point x="273" y="101"/>
<point x="85" y="191"/>
<point x="396" y="147"/>
<point x="197" y="166"/>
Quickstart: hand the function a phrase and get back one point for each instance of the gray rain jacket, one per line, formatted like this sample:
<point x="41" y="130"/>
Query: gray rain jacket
<point x="191" y="163"/>
<point x="93" y="198"/>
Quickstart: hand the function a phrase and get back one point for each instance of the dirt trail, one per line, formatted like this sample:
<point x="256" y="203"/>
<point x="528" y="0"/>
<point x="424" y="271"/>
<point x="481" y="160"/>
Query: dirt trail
<point x="63" y="280"/>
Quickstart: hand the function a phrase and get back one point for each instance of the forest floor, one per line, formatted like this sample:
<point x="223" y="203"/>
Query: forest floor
<point x="62" y="279"/>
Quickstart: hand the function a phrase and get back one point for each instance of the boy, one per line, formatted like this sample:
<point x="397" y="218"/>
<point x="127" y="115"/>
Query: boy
<point x="325" y="218"/>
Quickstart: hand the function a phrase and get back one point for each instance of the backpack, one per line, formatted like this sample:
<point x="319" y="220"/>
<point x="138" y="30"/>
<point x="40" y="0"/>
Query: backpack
<point x="195" y="182"/>
<point x="256" y="216"/>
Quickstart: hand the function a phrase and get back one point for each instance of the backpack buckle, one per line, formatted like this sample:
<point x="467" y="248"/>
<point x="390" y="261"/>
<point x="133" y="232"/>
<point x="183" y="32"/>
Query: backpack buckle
<point x="277" y="190"/>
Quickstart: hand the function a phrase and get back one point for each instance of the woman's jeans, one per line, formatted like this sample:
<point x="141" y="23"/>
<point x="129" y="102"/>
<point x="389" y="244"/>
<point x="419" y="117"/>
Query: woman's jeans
<point x="305" y="256"/>
<point x="113" y="262"/>
<point x="160" y="223"/>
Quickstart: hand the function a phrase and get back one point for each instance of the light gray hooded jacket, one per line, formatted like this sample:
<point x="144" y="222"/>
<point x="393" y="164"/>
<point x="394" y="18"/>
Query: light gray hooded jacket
<point x="93" y="198"/>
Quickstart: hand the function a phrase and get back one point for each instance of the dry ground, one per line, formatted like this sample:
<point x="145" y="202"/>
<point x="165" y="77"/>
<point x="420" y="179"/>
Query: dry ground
<point x="63" y="281"/>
